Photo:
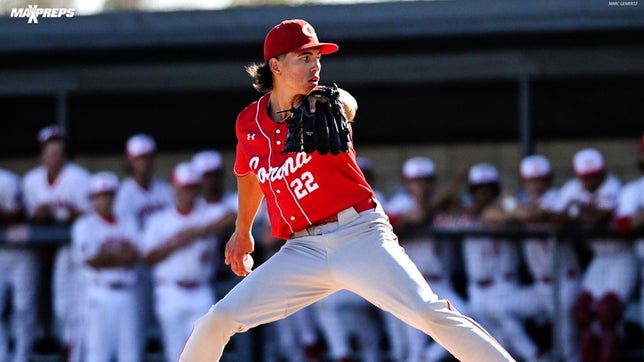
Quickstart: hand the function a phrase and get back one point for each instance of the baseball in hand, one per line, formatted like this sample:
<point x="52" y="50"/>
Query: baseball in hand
<point x="248" y="262"/>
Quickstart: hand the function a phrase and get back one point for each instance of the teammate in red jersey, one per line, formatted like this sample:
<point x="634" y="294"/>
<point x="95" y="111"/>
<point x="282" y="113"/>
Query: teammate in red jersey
<point x="338" y="234"/>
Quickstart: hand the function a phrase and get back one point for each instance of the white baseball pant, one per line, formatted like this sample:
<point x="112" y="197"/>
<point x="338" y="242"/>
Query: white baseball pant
<point x="359" y="253"/>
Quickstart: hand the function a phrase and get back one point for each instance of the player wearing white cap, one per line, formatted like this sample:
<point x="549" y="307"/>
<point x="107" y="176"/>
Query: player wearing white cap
<point x="108" y="246"/>
<point x="18" y="267"/>
<point x="411" y="208"/>
<point x="142" y="194"/>
<point x="181" y="268"/>
<point x="210" y="164"/>
<point x="491" y="264"/>
<point x="589" y="200"/>
<point x="630" y="216"/>
<point x="219" y="205"/>
<point x="537" y="300"/>
<point x="56" y="191"/>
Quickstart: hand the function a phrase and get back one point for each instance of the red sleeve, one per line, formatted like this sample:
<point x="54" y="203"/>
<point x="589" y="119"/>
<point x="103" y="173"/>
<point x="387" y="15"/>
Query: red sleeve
<point x="241" y="167"/>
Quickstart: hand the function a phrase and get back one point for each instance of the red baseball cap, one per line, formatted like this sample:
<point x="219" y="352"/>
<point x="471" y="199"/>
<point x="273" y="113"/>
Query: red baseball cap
<point x="293" y="35"/>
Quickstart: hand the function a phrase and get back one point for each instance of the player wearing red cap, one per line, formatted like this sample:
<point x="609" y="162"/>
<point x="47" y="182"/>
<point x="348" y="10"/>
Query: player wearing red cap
<point x="338" y="235"/>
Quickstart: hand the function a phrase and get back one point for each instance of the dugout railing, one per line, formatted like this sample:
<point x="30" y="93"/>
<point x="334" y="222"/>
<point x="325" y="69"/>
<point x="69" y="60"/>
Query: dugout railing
<point x="51" y="235"/>
<point x="555" y="236"/>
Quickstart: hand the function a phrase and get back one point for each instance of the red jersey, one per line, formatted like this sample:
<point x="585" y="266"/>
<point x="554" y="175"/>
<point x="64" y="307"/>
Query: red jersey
<point x="300" y="188"/>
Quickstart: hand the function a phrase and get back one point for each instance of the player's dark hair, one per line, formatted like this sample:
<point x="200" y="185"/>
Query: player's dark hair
<point x="262" y="75"/>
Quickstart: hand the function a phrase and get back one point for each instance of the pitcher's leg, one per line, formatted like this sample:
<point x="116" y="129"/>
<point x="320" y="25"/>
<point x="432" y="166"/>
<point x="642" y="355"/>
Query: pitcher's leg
<point x="291" y="279"/>
<point x="397" y="286"/>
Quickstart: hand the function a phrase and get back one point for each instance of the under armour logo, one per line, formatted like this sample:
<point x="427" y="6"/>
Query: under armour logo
<point x="250" y="136"/>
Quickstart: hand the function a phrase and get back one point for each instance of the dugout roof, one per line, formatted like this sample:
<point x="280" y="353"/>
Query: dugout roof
<point x="451" y="70"/>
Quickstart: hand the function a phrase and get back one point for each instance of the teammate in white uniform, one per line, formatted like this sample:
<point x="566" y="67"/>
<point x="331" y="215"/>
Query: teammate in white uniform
<point x="412" y="208"/>
<point x="214" y="197"/>
<point x="630" y="217"/>
<point x="210" y="165"/>
<point x="531" y="209"/>
<point x="142" y="194"/>
<point x="181" y="268"/>
<point x="589" y="200"/>
<point x="108" y="247"/>
<point x="491" y="264"/>
<point x="219" y="204"/>
<point x="18" y="267"/>
<point x="338" y="235"/>
<point x="56" y="191"/>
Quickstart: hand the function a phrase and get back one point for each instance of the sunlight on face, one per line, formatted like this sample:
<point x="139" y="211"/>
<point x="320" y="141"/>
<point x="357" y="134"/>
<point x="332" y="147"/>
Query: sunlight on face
<point x="300" y="71"/>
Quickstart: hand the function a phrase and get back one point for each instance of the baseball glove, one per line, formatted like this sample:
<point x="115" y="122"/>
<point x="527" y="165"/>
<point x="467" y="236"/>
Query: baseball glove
<point x="325" y="130"/>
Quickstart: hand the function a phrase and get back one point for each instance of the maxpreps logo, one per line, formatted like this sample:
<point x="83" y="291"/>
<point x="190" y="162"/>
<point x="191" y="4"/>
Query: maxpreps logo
<point x="33" y="12"/>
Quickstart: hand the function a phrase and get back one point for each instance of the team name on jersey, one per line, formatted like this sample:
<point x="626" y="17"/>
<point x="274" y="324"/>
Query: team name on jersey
<point x="272" y="174"/>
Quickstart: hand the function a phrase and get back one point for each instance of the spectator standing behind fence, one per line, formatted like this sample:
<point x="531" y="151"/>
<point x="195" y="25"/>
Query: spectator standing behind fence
<point x="630" y="217"/>
<point x="491" y="263"/>
<point x="589" y="200"/>
<point x="18" y="273"/>
<point x="141" y="194"/>
<point x="182" y="267"/>
<point x="108" y="245"/>
<point x="534" y="202"/>
<point x="56" y="192"/>
<point x="411" y="210"/>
